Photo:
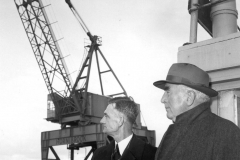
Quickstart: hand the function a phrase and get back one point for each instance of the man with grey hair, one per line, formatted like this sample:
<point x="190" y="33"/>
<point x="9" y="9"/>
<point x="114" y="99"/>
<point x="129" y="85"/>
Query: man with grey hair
<point x="196" y="133"/>
<point x="118" y="120"/>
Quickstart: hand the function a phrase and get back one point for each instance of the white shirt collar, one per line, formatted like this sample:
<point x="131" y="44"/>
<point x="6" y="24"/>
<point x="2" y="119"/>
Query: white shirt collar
<point x="123" y="143"/>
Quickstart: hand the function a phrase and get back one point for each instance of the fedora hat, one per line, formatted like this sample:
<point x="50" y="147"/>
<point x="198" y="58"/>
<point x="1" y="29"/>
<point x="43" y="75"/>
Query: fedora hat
<point x="188" y="75"/>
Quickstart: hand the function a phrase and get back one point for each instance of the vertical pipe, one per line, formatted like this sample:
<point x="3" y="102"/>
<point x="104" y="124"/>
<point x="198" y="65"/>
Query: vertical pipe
<point x="224" y="17"/>
<point x="193" y="23"/>
<point x="72" y="154"/>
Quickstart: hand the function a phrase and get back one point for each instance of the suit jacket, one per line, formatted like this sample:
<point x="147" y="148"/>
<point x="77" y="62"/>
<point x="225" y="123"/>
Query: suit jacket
<point x="136" y="150"/>
<point x="199" y="134"/>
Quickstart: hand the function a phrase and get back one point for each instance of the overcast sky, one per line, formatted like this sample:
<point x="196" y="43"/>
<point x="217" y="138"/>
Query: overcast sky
<point x="140" y="41"/>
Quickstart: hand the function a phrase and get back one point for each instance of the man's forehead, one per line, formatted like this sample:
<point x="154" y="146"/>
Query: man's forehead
<point x="169" y="85"/>
<point x="110" y="108"/>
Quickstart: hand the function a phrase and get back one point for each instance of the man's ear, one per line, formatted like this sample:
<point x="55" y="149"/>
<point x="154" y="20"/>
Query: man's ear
<point x="121" y="119"/>
<point x="191" y="97"/>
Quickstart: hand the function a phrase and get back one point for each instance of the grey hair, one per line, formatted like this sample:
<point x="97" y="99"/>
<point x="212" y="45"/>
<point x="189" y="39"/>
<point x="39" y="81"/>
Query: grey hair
<point x="127" y="106"/>
<point x="201" y="97"/>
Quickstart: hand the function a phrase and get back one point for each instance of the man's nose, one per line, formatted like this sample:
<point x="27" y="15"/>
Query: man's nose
<point x="163" y="100"/>
<point x="102" y="120"/>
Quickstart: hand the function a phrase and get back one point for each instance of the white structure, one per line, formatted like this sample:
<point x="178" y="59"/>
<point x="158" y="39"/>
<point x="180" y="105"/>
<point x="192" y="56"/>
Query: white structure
<point x="220" y="57"/>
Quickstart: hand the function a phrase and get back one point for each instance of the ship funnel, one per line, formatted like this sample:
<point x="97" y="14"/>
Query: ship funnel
<point x="224" y="18"/>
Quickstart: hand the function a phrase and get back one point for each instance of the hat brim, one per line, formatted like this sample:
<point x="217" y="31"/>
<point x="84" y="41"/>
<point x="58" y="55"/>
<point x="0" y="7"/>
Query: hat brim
<point x="208" y="91"/>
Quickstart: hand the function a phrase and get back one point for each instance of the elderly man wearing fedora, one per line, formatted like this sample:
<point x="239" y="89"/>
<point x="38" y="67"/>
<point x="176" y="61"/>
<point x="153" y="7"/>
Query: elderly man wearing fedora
<point x="196" y="133"/>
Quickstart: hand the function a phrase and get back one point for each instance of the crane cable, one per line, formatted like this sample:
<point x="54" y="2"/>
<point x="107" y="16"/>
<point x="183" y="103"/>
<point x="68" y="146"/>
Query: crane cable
<point x="77" y="16"/>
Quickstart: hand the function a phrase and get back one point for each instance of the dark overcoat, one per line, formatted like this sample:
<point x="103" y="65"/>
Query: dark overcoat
<point x="136" y="150"/>
<point x="198" y="134"/>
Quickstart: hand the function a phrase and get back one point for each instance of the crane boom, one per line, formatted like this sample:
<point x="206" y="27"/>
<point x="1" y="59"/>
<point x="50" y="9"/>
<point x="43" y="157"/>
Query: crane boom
<point x="45" y="47"/>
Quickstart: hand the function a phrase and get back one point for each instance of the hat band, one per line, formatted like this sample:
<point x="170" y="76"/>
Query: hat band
<point x="176" y="79"/>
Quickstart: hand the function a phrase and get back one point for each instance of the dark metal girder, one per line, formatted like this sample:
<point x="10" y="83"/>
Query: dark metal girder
<point x="54" y="153"/>
<point x="39" y="33"/>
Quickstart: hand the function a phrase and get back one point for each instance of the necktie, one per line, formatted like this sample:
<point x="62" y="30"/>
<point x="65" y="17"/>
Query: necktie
<point x="116" y="154"/>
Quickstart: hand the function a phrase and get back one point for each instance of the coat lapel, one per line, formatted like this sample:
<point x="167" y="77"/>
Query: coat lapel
<point x="173" y="136"/>
<point x="134" y="149"/>
<point x="105" y="154"/>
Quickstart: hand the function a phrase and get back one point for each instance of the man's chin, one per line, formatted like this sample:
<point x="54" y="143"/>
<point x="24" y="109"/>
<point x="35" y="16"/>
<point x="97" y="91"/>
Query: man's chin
<point x="170" y="117"/>
<point x="107" y="132"/>
<point x="104" y="131"/>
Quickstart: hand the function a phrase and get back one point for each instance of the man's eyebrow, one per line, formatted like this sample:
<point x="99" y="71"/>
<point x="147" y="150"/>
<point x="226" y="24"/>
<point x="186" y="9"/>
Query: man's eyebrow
<point x="105" y="114"/>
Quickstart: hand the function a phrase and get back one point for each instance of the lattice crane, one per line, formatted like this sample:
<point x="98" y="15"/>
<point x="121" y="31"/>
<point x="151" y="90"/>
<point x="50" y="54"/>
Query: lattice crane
<point x="68" y="100"/>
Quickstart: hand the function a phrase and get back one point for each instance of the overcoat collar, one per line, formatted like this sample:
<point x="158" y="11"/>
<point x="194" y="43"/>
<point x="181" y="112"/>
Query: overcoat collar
<point x="191" y="115"/>
<point x="177" y="131"/>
